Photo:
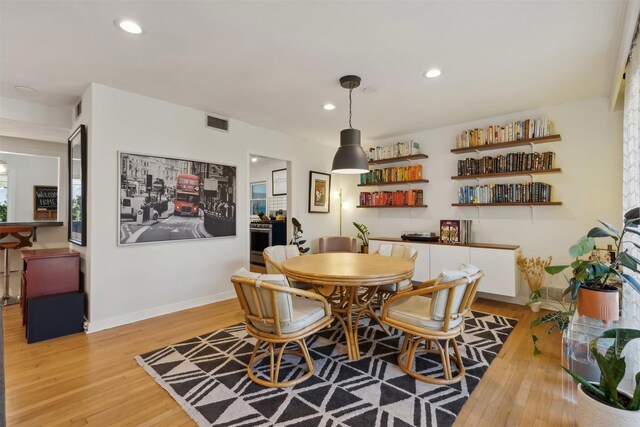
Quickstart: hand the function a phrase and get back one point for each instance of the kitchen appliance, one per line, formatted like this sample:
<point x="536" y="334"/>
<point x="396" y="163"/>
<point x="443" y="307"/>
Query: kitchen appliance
<point x="425" y="236"/>
<point x="264" y="234"/>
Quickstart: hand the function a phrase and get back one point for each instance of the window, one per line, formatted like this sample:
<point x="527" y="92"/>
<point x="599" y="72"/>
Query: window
<point x="258" y="198"/>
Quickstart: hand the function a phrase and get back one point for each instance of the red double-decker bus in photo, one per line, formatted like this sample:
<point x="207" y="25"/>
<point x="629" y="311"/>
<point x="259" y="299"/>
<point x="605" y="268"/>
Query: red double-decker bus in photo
<point x="187" y="199"/>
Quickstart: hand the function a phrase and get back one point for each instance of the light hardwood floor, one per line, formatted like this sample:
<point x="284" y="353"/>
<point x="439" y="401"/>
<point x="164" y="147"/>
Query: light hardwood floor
<point x="94" y="379"/>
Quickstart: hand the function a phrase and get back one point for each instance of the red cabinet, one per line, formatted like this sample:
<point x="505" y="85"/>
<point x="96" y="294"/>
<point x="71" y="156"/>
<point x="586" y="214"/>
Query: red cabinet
<point x="48" y="272"/>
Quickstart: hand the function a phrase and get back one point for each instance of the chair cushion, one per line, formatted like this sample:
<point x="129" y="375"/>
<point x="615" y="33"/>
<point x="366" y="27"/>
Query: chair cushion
<point x="337" y="244"/>
<point x="305" y="312"/>
<point x="397" y="251"/>
<point x="415" y="311"/>
<point x="278" y="254"/>
<point x="283" y="300"/>
<point x="438" y="309"/>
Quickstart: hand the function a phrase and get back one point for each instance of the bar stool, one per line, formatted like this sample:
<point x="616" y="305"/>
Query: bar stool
<point x="20" y="238"/>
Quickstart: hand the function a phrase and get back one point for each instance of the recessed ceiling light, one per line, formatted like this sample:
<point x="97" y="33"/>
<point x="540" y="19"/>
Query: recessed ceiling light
<point x="434" y="72"/>
<point x="128" y="25"/>
<point x="329" y="107"/>
<point x="254" y="159"/>
<point x="21" y="88"/>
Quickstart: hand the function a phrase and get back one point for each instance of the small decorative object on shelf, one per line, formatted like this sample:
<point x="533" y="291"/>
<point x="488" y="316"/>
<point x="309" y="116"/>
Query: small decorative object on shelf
<point x="533" y="270"/>
<point x="495" y="134"/>
<point x="363" y="235"/>
<point x="455" y="231"/>
<point x="398" y="149"/>
<point x="391" y="198"/>
<point x="528" y="192"/>
<point x="297" y="236"/>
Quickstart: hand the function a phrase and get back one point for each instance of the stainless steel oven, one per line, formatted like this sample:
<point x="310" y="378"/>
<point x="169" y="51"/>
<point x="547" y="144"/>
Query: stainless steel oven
<point x="264" y="234"/>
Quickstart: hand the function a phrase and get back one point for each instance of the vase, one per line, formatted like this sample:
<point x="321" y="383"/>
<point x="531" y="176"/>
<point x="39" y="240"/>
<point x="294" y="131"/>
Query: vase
<point x="600" y="304"/>
<point x="592" y="413"/>
<point x="535" y="306"/>
<point x="364" y="249"/>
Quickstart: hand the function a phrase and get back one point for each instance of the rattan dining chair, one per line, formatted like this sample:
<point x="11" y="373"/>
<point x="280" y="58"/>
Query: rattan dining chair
<point x="274" y="256"/>
<point x="397" y="251"/>
<point x="434" y="321"/>
<point x="279" y="315"/>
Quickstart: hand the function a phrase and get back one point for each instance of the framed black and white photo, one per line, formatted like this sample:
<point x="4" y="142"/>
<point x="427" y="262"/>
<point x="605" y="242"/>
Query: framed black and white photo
<point x="319" y="192"/>
<point x="279" y="182"/>
<point x="169" y="199"/>
<point x="77" y="152"/>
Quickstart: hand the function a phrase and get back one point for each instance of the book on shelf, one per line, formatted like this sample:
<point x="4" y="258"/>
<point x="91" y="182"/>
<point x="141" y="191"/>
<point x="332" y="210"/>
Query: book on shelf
<point x="528" y="192"/>
<point x="512" y="162"/>
<point x="392" y="174"/>
<point x="397" y="149"/>
<point x="391" y="198"/>
<point x="456" y="231"/>
<point x="509" y="132"/>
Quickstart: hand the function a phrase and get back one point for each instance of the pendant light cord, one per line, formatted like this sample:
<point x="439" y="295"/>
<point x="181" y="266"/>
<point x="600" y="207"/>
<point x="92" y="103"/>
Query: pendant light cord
<point x="350" y="90"/>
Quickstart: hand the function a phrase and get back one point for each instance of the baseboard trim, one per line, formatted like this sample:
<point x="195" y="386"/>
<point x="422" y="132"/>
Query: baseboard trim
<point x="125" y="319"/>
<point x="520" y="300"/>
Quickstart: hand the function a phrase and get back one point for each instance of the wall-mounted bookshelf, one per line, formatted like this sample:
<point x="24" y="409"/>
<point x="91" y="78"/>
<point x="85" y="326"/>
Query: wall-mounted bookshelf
<point x="398" y="159"/>
<point x="510" y="144"/>
<point x="396" y="206"/>
<point x="508" y="204"/>
<point x="503" y="174"/>
<point x="414" y="181"/>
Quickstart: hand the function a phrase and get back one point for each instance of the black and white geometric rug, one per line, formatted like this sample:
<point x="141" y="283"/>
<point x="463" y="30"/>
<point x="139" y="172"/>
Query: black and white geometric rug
<point x="207" y="376"/>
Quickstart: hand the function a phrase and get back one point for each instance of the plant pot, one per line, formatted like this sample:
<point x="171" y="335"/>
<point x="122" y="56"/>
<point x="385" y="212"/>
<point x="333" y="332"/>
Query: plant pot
<point x="594" y="413"/>
<point x="600" y="304"/>
<point x="364" y="249"/>
<point x="535" y="306"/>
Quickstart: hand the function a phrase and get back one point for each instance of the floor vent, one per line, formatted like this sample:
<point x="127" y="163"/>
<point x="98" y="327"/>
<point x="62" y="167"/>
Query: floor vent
<point x="217" y="123"/>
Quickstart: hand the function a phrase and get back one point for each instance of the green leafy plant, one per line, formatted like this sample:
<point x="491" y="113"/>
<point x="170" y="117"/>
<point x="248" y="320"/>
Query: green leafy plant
<point x="3" y="212"/>
<point x="612" y="370"/>
<point x="595" y="273"/>
<point x="297" y="236"/>
<point x="363" y="233"/>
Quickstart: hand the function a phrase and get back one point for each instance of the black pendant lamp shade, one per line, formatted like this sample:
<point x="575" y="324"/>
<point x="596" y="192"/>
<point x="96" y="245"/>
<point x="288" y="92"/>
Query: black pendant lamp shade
<point x="350" y="157"/>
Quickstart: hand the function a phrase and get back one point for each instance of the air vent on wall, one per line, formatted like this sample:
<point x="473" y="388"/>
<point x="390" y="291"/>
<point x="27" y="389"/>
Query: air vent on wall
<point x="217" y="123"/>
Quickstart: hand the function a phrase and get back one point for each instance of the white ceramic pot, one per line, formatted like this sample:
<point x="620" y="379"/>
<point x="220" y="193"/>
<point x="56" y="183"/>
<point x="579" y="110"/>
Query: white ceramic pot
<point x="592" y="413"/>
<point x="535" y="307"/>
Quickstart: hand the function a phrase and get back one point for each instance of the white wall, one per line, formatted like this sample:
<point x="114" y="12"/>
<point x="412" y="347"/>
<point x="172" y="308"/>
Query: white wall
<point x="590" y="155"/>
<point x="261" y="171"/>
<point x="130" y="283"/>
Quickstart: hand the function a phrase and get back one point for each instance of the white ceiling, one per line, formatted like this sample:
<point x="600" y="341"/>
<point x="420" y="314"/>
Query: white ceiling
<point x="274" y="63"/>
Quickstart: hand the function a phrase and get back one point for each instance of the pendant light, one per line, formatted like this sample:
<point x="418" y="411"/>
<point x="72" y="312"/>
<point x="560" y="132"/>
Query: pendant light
<point x="350" y="157"/>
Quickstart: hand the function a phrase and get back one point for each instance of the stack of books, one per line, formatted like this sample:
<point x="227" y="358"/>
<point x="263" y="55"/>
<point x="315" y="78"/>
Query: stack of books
<point x="512" y="162"/>
<point x="391" y="198"/>
<point x="524" y="129"/>
<point x="456" y="231"/>
<point x="529" y="192"/>
<point x="394" y="174"/>
<point x="397" y="149"/>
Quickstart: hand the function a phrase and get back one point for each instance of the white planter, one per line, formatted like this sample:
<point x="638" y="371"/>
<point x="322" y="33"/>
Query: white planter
<point x="535" y="307"/>
<point x="592" y="413"/>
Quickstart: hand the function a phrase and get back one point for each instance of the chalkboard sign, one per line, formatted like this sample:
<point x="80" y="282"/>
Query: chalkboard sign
<point x="45" y="197"/>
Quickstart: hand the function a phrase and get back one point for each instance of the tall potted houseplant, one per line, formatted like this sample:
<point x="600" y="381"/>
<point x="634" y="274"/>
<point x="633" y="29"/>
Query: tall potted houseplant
<point x="363" y="235"/>
<point x="603" y="404"/>
<point x="592" y="277"/>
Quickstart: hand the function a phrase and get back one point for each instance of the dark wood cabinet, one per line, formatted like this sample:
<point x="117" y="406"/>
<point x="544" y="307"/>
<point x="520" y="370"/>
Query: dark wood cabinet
<point x="48" y="272"/>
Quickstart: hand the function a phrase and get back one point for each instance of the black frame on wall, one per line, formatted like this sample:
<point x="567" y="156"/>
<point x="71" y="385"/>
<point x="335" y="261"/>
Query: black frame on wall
<point x="77" y="228"/>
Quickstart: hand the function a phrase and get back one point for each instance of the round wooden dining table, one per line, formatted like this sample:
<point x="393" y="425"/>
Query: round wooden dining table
<point x="349" y="282"/>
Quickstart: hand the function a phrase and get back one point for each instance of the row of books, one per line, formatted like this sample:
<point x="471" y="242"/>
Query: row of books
<point x="524" y="129"/>
<point x="455" y="231"/>
<point x="397" y="149"/>
<point x="530" y="192"/>
<point x="392" y="198"/>
<point x="394" y="174"/>
<point x="512" y="162"/>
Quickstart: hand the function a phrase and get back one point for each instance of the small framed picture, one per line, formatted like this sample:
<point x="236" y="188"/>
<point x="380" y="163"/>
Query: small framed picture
<point x="279" y="182"/>
<point x="319" y="192"/>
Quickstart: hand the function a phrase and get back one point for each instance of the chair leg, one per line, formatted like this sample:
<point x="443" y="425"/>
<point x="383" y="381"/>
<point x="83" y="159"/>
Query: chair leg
<point x="275" y="363"/>
<point x="410" y="348"/>
<point x="458" y="358"/>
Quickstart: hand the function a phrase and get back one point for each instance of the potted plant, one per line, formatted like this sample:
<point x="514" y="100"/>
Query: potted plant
<point x="533" y="270"/>
<point x="363" y="234"/>
<point x="592" y="278"/>
<point x="603" y="404"/>
<point x="297" y="236"/>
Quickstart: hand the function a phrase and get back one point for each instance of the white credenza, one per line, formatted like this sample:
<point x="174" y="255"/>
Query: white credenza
<point x="501" y="274"/>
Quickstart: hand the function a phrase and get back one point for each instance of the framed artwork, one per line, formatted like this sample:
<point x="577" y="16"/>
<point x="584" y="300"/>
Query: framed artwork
<point x="279" y="182"/>
<point x="170" y="199"/>
<point x="319" y="192"/>
<point x="77" y="231"/>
